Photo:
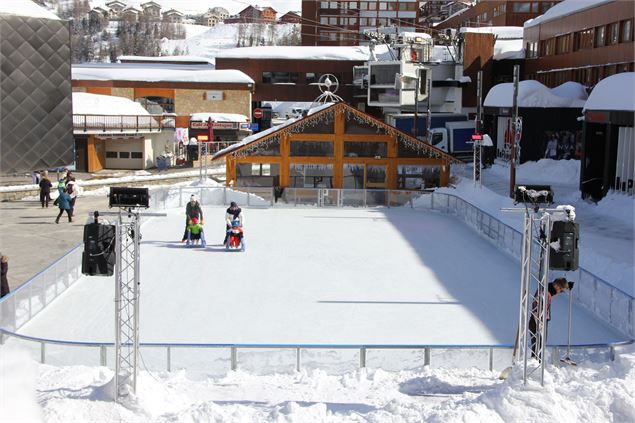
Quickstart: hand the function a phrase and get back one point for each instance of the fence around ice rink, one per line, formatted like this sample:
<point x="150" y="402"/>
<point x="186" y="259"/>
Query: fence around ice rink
<point x="606" y="302"/>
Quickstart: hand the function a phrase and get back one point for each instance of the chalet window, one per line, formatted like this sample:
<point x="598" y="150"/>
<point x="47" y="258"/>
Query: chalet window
<point x="311" y="77"/>
<point x="365" y="149"/>
<point x="257" y="174"/>
<point x="332" y="20"/>
<point x="311" y="175"/>
<point x="600" y="36"/>
<point x="614" y="33"/>
<point x="352" y="127"/>
<point x="584" y="40"/>
<point x="324" y="20"/>
<point x="562" y="44"/>
<point x="417" y="176"/>
<point x="311" y="149"/>
<point x="156" y="105"/>
<point x="265" y="149"/>
<point x="266" y="77"/>
<point x="124" y="155"/>
<point x="532" y="50"/>
<point x="352" y="5"/>
<point x="535" y="7"/>
<point x="353" y="176"/>
<point x="324" y="4"/>
<point x="627" y="34"/>
<point x="521" y="7"/>
<point x="392" y="6"/>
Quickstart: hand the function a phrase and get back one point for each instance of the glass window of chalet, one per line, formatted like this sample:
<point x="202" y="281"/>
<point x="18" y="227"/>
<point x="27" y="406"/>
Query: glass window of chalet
<point x="600" y="36"/>
<point x="319" y="127"/>
<point x="266" y="77"/>
<point x="324" y="20"/>
<point x="417" y="176"/>
<point x="353" y="176"/>
<point x="265" y="149"/>
<point x="257" y="174"/>
<point x="365" y="149"/>
<point x="627" y="34"/>
<point x="521" y="7"/>
<point x="354" y="127"/>
<point x="310" y="175"/>
<point x="311" y="77"/>
<point x="311" y="148"/>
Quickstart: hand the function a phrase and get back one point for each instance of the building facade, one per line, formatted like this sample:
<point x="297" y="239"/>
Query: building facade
<point x="584" y="46"/>
<point x="343" y="23"/>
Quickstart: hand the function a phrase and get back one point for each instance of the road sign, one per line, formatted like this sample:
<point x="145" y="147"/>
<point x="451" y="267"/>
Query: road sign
<point x="258" y="113"/>
<point x="254" y="126"/>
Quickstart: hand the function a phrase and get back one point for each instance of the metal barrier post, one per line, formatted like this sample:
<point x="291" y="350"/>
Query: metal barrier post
<point x="102" y="355"/>
<point x="180" y="196"/>
<point x="362" y="358"/>
<point x="297" y="359"/>
<point x="612" y="353"/>
<point x="234" y="363"/>
<point x="169" y="358"/>
<point x="224" y="195"/>
<point x="491" y="359"/>
<point x="42" y="353"/>
<point x="426" y="356"/>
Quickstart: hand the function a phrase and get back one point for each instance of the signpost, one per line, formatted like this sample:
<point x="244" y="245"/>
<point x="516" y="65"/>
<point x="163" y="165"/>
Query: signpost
<point x="258" y="113"/>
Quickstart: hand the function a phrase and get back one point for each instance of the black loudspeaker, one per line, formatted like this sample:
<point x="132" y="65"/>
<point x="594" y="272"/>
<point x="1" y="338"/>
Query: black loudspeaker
<point x="99" y="257"/>
<point x="568" y="234"/>
<point x="129" y="197"/>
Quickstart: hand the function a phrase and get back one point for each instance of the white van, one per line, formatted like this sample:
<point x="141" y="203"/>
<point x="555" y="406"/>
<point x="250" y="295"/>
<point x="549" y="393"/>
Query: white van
<point x="296" y="112"/>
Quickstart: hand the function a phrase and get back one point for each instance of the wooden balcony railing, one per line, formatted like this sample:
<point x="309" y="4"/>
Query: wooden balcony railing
<point x="122" y="123"/>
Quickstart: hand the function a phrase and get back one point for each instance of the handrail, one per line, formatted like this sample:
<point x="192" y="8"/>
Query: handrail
<point x="121" y="123"/>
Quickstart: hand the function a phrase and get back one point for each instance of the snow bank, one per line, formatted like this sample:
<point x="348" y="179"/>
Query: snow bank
<point x="501" y="32"/>
<point x="617" y="92"/>
<point x="96" y="104"/>
<point x="530" y="94"/>
<point x="571" y="89"/>
<point x="26" y="8"/>
<point x="508" y="49"/>
<point x="588" y="392"/>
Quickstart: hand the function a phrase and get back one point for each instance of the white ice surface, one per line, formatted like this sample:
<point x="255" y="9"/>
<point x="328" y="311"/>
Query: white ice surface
<point x="316" y="276"/>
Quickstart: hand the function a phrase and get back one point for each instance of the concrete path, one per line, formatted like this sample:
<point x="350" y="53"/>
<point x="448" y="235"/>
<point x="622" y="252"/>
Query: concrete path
<point x="32" y="240"/>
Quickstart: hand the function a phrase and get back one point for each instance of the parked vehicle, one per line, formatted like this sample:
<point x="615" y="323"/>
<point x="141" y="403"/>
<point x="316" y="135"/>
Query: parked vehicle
<point x="455" y="138"/>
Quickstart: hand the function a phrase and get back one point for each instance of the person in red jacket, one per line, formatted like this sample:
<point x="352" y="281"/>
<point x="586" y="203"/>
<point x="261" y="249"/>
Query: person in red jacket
<point x="554" y="288"/>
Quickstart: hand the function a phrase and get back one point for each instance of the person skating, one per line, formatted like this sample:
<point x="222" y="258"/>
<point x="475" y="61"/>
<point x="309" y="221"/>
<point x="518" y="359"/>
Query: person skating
<point x="195" y="233"/>
<point x="72" y="184"/>
<point x="232" y="213"/>
<point x="192" y="210"/>
<point x="553" y="288"/>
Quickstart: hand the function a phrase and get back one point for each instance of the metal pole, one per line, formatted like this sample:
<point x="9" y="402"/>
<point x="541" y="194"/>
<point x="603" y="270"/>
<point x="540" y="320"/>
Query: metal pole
<point x="479" y="117"/>
<point x="428" y="118"/>
<point x="512" y="167"/>
<point x="414" y="122"/>
<point x="200" y="163"/>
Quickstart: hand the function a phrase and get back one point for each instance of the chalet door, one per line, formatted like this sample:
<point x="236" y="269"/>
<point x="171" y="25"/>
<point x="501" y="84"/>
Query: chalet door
<point x="81" y="155"/>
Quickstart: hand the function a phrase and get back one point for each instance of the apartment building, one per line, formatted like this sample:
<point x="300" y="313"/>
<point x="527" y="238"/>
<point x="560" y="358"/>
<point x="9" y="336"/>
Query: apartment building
<point x="344" y="23"/>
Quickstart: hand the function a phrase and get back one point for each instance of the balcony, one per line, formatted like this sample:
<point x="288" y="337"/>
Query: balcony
<point x="121" y="124"/>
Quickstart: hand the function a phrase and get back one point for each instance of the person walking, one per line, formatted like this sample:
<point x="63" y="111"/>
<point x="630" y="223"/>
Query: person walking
<point x="64" y="203"/>
<point x="73" y="192"/>
<point x="4" y="281"/>
<point x="192" y="210"/>
<point x="45" y="189"/>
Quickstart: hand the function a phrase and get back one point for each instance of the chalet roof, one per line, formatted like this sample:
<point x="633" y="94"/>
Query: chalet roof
<point x="120" y="3"/>
<point x="150" y="4"/>
<point x="172" y="12"/>
<point x="318" y="113"/>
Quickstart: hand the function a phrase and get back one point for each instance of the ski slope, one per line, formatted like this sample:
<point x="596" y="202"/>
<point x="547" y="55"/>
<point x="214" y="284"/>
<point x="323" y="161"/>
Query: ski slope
<point x="317" y="276"/>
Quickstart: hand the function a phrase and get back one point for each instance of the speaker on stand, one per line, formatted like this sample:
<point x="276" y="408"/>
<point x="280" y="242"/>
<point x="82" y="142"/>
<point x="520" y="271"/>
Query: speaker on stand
<point x="566" y="257"/>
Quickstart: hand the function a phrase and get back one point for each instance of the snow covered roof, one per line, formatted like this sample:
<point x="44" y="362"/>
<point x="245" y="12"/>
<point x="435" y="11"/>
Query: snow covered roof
<point x="509" y="32"/>
<point x="219" y="117"/>
<point x="360" y="53"/>
<point x="25" y="8"/>
<point x="530" y="94"/>
<point x="613" y="93"/>
<point x="571" y="89"/>
<point x="508" y="49"/>
<point x="159" y="59"/>
<point x="565" y="8"/>
<point x="97" y="104"/>
<point x="154" y="72"/>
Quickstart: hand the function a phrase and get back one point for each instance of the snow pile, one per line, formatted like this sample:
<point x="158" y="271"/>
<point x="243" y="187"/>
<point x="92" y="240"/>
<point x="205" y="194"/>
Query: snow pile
<point x="565" y="8"/>
<point x="219" y="117"/>
<point x="181" y="59"/>
<point x="96" y="104"/>
<point x="571" y="89"/>
<point x="508" y="49"/>
<point x="530" y="94"/>
<point x="617" y="92"/>
<point x="501" y="32"/>
<point x="26" y="8"/>
<point x="588" y="392"/>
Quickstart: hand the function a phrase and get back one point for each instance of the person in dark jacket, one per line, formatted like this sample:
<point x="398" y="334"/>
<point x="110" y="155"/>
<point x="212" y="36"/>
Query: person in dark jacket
<point x="4" y="281"/>
<point x="232" y="213"/>
<point x="45" y="189"/>
<point x="64" y="203"/>
<point x="192" y="210"/>
<point x="553" y="288"/>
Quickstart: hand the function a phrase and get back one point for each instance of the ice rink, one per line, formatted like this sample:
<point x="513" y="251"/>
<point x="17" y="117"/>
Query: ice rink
<point x="317" y="276"/>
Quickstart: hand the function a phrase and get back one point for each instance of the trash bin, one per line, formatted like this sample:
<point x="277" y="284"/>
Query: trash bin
<point x="162" y="163"/>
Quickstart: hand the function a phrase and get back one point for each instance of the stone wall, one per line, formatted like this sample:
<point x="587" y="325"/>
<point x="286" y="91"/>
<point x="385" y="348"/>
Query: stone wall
<point x="193" y="101"/>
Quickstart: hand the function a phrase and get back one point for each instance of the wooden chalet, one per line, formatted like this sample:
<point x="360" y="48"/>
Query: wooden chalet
<point x="337" y="146"/>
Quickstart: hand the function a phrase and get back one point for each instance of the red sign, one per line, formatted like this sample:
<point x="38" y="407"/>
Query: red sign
<point x="258" y="113"/>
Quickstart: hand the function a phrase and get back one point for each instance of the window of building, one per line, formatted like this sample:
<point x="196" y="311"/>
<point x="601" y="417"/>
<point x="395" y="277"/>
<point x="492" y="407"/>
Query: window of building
<point x="332" y="20"/>
<point x="136" y="155"/>
<point x="324" y="20"/>
<point x="583" y="40"/>
<point x="311" y="77"/>
<point x="266" y="77"/>
<point x="614" y="33"/>
<point x="124" y="154"/>
<point x="311" y="148"/>
<point x="324" y="4"/>
<point x="600" y="36"/>
<point x="332" y="5"/>
<point x="407" y="6"/>
<point x="535" y="7"/>
<point x="365" y="149"/>
<point x="311" y="175"/>
<point x="627" y="33"/>
<point x="257" y="174"/>
<point x="156" y="105"/>
<point x="111" y="154"/>
<point x="383" y="5"/>
<point x="502" y="9"/>
<point x="393" y="5"/>
<point x="547" y="47"/>
<point x="563" y="44"/>
<point x="521" y="7"/>
<point x="352" y="5"/>
<point x="532" y="50"/>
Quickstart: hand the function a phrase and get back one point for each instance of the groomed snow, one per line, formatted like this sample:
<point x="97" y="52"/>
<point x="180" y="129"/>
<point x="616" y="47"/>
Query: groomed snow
<point x="530" y="94"/>
<point x="26" y="8"/>
<point x="617" y="92"/>
<point x="96" y="104"/>
<point x="157" y="72"/>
